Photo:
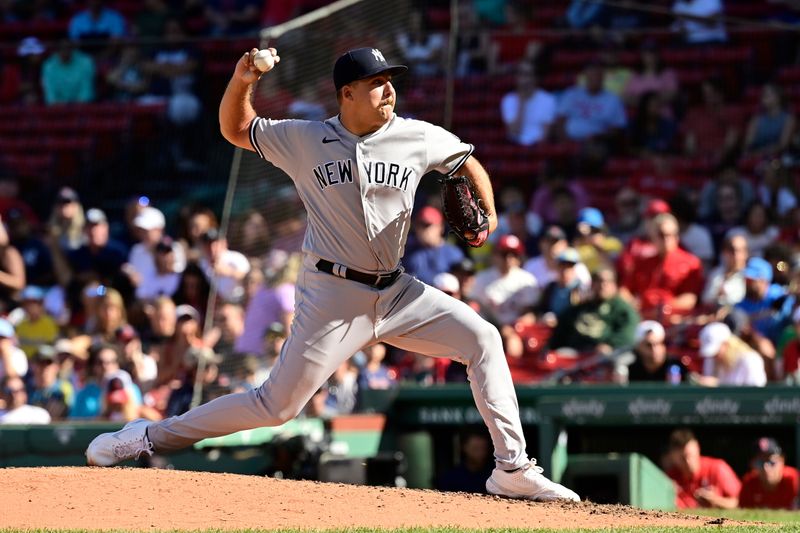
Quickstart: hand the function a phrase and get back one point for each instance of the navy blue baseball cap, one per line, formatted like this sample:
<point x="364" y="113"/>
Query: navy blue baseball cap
<point x="362" y="63"/>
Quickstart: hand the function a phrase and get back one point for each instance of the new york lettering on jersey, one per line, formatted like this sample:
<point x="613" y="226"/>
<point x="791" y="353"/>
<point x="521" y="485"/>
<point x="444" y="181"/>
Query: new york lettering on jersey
<point x="334" y="173"/>
<point x="388" y="174"/>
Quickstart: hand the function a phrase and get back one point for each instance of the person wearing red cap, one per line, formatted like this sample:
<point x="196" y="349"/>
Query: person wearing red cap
<point x="669" y="281"/>
<point x="505" y="291"/>
<point x="429" y="253"/>
<point x="771" y="483"/>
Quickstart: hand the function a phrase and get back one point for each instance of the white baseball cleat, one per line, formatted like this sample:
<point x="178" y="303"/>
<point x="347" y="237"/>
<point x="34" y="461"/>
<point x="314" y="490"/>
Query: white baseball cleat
<point x="528" y="483"/>
<point x="130" y="442"/>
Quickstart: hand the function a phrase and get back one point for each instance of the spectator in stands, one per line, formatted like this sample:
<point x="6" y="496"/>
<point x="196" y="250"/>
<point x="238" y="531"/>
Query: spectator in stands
<point x="700" y="481"/>
<point x="164" y="281"/>
<point x="771" y="483"/>
<point x="550" y="196"/>
<point x="714" y="128"/>
<point x="640" y="245"/>
<point x="563" y="292"/>
<point x="194" y="222"/>
<point x="469" y="475"/>
<point x="668" y="281"/>
<point x="223" y="267"/>
<point x="688" y="15"/>
<point x="651" y="76"/>
<point x="250" y="234"/>
<point x="375" y="374"/>
<point x="68" y="76"/>
<point x="695" y="238"/>
<point x="13" y="361"/>
<point x="67" y="219"/>
<point x="194" y="288"/>
<point x="758" y="229"/>
<point x="237" y="17"/>
<point x="100" y="256"/>
<point x="790" y="354"/>
<point x="173" y="73"/>
<point x="35" y="253"/>
<point x="775" y="190"/>
<point x="768" y="304"/>
<point x="725" y="284"/>
<point x="273" y="303"/>
<point x="142" y="366"/>
<point x="528" y="112"/>
<point x="590" y="113"/>
<point x="110" y="314"/>
<point x="429" y="253"/>
<point x="596" y="247"/>
<point x="653" y="131"/>
<point x="88" y="397"/>
<point x="421" y="47"/>
<point x="652" y="362"/>
<point x="615" y="74"/>
<point x="629" y="209"/>
<point x="727" y="210"/>
<point x="49" y="390"/>
<point x="770" y="130"/>
<point x="228" y="328"/>
<point x="472" y="43"/>
<point x="729" y="360"/>
<point x="126" y="77"/>
<point x="172" y="363"/>
<point x="603" y="322"/>
<point x="160" y="326"/>
<point x="37" y="327"/>
<point x="544" y="266"/>
<point x="505" y="291"/>
<point x="341" y="390"/>
<point x="514" y="218"/>
<point x="16" y="409"/>
<point x="31" y="53"/>
<point x="97" y="22"/>
<point x="149" y="224"/>
<point x="180" y="397"/>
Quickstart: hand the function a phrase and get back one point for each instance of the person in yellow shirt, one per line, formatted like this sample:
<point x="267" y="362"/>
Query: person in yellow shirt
<point x="37" y="327"/>
<point x="596" y="247"/>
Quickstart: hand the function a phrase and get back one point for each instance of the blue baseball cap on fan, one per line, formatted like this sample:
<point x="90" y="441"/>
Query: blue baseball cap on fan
<point x="362" y="63"/>
<point x="758" y="268"/>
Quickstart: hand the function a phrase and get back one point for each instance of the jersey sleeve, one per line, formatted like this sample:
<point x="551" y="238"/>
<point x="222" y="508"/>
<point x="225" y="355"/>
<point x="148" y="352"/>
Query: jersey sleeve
<point x="446" y="153"/>
<point x="276" y="140"/>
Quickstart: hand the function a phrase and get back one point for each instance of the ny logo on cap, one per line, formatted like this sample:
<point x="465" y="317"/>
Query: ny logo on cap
<point x="378" y="55"/>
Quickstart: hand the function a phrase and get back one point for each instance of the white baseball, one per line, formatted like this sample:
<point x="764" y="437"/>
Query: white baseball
<point x="263" y="60"/>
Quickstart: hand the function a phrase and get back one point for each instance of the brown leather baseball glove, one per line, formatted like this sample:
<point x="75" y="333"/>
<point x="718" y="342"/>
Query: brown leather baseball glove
<point x="463" y="211"/>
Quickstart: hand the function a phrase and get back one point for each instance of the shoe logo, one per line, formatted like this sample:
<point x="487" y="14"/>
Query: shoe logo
<point x="325" y="140"/>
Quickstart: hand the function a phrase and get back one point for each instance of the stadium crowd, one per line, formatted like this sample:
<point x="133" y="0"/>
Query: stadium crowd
<point x="674" y="280"/>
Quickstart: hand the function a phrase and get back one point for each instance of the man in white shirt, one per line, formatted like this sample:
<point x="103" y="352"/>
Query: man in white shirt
<point x="149" y="224"/>
<point x="223" y="267"/>
<point x="528" y="112"/>
<point x="505" y="291"/>
<point x="544" y="267"/>
<point x="17" y="410"/>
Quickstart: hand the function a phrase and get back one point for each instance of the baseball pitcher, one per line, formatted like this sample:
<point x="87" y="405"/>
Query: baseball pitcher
<point x="357" y="174"/>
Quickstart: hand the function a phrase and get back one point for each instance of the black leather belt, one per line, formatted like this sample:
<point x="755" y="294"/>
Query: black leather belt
<point x="379" y="281"/>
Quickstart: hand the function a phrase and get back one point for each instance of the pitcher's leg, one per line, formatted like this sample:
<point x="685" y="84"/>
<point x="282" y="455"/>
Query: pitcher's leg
<point x="333" y="320"/>
<point x="432" y="323"/>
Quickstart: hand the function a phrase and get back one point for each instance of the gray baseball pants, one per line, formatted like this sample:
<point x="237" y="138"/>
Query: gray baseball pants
<point x="334" y="319"/>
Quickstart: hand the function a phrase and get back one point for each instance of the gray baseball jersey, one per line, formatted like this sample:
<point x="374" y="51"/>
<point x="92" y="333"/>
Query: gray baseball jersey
<point x="358" y="191"/>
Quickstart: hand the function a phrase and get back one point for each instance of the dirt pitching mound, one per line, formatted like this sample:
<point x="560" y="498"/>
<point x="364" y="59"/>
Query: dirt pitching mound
<point x="147" y="499"/>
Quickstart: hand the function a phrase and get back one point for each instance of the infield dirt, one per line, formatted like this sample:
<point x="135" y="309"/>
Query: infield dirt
<point x="149" y="499"/>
